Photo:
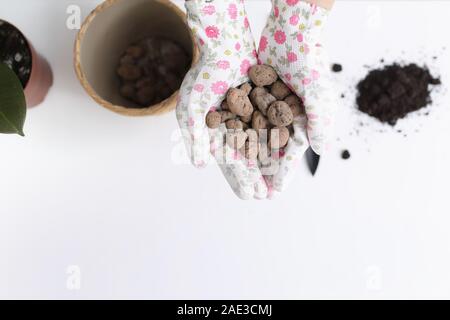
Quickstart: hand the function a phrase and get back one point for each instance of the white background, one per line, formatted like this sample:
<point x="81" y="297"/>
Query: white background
<point x="98" y="191"/>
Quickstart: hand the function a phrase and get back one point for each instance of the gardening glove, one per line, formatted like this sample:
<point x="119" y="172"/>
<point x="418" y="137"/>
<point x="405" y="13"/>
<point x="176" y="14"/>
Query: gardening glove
<point x="227" y="51"/>
<point x="291" y="44"/>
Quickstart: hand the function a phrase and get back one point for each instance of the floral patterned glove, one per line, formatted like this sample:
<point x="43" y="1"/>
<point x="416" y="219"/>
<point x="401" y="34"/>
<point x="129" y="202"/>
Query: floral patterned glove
<point x="291" y="44"/>
<point x="227" y="51"/>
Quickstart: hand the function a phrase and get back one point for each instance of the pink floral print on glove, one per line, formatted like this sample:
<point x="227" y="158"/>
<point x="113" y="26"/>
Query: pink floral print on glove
<point x="291" y="43"/>
<point x="227" y="51"/>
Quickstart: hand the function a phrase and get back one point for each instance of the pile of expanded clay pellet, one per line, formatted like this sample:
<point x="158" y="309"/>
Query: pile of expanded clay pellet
<point x="255" y="108"/>
<point x="152" y="70"/>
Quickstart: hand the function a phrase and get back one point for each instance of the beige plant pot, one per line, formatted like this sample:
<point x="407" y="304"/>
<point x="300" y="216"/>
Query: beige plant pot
<point x="109" y="30"/>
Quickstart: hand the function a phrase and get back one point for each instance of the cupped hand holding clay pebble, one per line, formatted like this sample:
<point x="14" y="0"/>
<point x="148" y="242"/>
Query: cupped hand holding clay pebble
<point x="251" y="111"/>
<point x="227" y="48"/>
<point x="293" y="31"/>
<point x="292" y="44"/>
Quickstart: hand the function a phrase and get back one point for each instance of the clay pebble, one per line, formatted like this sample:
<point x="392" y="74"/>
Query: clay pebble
<point x="151" y="70"/>
<point x="258" y="115"/>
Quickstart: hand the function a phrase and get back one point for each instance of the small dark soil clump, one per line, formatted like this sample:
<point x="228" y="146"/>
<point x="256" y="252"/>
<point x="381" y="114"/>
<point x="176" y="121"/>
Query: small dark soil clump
<point x="345" y="155"/>
<point x="336" y="67"/>
<point x="391" y="93"/>
<point x="15" y="51"/>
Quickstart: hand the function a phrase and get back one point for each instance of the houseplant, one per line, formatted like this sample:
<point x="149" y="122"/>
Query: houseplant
<point x="12" y="102"/>
<point x="32" y="70"/>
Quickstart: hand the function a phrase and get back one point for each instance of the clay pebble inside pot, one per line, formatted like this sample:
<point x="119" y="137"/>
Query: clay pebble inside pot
<point x="151" y="70"/>
<point x="32" y="70"/>
<point x="111" y="34"/>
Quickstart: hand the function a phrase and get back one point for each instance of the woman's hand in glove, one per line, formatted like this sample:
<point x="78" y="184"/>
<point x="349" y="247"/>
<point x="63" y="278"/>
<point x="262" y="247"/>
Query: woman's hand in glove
<point x="291" y="44"/>
<point x="227" y="52"/>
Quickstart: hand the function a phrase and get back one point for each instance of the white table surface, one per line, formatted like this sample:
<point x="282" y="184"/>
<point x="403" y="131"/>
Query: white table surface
<point x="95" y="196"/>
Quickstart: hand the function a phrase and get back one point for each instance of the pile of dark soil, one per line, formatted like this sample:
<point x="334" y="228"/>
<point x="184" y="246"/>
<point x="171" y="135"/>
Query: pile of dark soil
<point x="15" y="52"/>
<point x="391" y="93"/>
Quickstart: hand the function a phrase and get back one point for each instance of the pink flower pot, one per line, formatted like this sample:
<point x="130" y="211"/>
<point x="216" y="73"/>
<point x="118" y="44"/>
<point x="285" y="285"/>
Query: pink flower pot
<point x="40" y="79"/>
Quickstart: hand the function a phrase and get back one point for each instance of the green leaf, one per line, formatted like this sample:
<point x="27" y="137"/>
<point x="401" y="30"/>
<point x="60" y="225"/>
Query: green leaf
<point x="13" y="107"/>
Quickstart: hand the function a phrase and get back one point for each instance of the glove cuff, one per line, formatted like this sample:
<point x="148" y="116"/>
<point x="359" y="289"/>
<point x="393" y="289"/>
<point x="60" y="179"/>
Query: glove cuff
<point x="218" y="18"/>
<point x="220" y="26"/>
<point x="300" y="17"/>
